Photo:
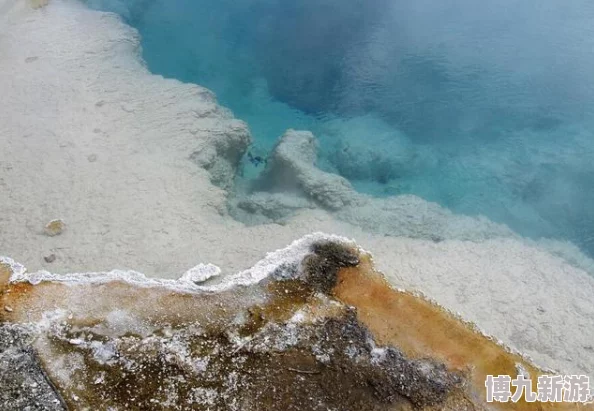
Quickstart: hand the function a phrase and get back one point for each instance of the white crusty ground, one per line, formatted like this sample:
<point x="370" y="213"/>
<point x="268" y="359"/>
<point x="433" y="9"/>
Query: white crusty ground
<point x="72" y="89"/>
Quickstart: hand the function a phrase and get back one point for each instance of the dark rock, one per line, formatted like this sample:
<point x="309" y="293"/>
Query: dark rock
<point x="322" y="266"/>
<point x="25" y="385"/>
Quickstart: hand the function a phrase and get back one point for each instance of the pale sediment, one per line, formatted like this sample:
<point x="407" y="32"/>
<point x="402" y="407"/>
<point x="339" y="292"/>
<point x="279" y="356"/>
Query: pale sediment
<point x="138" y="166"/>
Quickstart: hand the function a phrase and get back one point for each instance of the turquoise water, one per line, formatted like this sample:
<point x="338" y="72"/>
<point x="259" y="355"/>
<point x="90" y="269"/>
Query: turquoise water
<point x="486" y="109"/>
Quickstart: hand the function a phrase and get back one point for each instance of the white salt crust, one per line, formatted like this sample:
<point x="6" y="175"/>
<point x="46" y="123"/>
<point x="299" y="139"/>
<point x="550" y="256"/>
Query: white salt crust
<point x="187" y="282"/>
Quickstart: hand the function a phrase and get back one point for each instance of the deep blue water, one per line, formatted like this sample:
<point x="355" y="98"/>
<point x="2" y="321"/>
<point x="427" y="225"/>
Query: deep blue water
<point x="484" y="107"/>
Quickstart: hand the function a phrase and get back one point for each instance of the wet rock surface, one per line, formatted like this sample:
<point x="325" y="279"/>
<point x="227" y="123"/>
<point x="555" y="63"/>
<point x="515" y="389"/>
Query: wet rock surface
<point x="331" y="365"/>
<point x="297" y="339"/>
<point x="291" y="169"/>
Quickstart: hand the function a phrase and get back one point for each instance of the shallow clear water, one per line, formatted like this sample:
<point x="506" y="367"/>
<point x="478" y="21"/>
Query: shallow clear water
<point x="485" y="109"/>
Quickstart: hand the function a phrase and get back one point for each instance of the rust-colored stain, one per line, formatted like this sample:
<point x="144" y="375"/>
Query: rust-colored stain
<point x="9" y="294"/>
<point x="5" y="273"/>
<point x="153" y="304"/>
<point x="422" y="329"/>
<point x="334" y="279"/>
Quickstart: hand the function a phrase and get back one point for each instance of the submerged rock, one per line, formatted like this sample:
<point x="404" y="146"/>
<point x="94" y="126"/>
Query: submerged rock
<point x="292" y="181"/>
<point x="291" y="167"/>
<point x="318" y="330"/>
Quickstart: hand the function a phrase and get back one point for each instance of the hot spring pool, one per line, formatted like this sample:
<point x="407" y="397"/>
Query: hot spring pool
<point x="483" y="109"/>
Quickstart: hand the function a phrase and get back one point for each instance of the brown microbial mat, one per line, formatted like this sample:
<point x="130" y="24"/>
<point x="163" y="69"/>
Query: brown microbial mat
<point x="328" y="333"/>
